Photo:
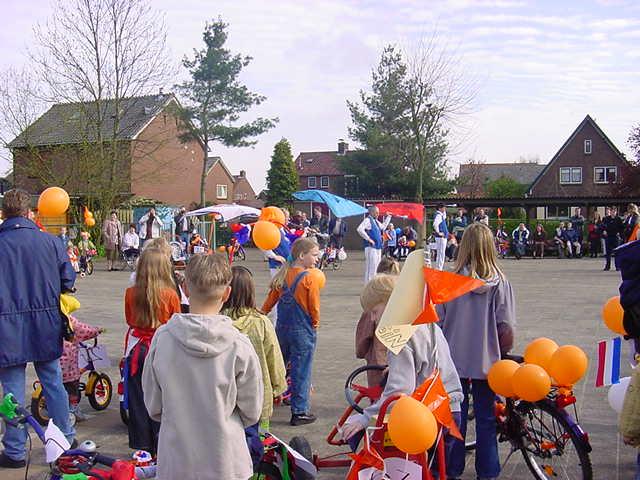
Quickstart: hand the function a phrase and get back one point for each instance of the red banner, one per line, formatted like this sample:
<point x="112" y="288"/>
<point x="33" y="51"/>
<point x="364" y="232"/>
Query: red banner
<point x="412" y="211"/>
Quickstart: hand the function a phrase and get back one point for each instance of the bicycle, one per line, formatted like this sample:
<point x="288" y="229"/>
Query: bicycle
<point x="544" y="432"/>
<point x="86" y="263"/>
<point x="98" y="389"/>
<point x="330" y="258"/>
<point x="74" y="461"/>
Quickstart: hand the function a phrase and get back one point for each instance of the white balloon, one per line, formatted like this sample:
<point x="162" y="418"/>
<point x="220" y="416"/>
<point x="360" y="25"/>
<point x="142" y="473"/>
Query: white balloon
<point x="617" y="392"/>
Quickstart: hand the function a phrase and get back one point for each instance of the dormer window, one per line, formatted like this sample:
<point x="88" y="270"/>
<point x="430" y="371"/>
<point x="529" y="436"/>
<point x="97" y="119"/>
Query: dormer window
<point x="587" y="147"/>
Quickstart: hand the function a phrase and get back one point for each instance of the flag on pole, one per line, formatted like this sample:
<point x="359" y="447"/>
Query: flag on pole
<point x="609" y="353"/>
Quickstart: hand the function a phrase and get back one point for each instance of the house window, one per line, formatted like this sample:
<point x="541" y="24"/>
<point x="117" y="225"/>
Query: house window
<point x="311" y="182"/>
<point x="605" y="174"/>
<point x="221" y="192"/>
<point x="570" y="175"/>
<point x="587" y="147"/>
<point x="556" y="211"/>
<point x="324" y="182"/>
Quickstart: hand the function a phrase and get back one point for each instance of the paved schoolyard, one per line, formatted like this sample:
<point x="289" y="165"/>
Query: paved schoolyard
<point x="560" y="299"/>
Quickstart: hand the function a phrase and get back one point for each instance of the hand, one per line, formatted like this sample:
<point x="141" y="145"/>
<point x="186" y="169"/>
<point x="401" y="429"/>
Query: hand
<point x="371" y="242"/>
<point x="277" y="400"/>
<point x="348" y="430"/>
<point x="387" y="214"/>
<point x="280" y="259"/>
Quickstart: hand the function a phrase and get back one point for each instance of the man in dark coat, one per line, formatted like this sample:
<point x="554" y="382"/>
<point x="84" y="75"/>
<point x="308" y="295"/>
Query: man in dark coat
<point x="35" y="271"/>
<point x="611" y="229"/>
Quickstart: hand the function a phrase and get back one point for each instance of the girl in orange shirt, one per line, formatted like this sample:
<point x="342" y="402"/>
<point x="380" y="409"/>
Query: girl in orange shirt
<point x="296" y="290"/>
<point x="149" y="304"/>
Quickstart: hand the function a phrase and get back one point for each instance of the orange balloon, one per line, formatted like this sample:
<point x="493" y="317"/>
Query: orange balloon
<point x="53" y="202"/>
<point x="500" y="375"/>
<point x="531" y="383"/>
<point x="412" y="427"/>
<point x="90" y="222"/>
<point x="222" y="248"/>
<point x="273" y="215"/>
<point x="266" y="235"/>
<point x="411" y="243"/>
<point x="612" y="314"/>
<point x="568" y="365"/>
<point x="318" y="276"/>
<point x="539" y="352"/>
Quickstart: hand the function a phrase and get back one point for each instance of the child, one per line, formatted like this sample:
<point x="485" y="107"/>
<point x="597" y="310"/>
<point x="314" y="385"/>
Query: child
<point x="374" y="299"/>
<point x="203" y="381"/>
<point x="69" y="361"/>
<point x="479" y="327"/>
<point x="297" y="293"/>
<point x="241" y="307"/>
<point x="86" y="248"/>
<point x="148" y="304"/>
<point x="389" y="266"/>
<point x="72" y="252"/>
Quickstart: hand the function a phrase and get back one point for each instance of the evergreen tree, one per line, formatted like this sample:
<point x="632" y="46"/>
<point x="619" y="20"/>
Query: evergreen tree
<point x="214" y="98"/>
<point x="282" y="178"/>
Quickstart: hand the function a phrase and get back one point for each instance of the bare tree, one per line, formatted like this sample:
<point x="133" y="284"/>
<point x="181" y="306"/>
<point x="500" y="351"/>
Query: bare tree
<point x="99" y="53"/>
<point x="439" y="93"/>
<point x="473" y="179"/>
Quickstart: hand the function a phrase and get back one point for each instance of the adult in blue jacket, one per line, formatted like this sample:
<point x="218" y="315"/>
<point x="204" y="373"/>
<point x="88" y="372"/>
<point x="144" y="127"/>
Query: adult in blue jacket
<point x="35" y="270"/>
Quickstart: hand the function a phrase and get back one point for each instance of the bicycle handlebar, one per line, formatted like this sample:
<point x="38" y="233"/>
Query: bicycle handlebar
<point x="349" y="382"/>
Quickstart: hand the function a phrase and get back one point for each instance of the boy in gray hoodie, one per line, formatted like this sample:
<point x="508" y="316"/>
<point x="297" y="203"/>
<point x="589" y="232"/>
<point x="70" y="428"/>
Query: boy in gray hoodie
<point x="202" y="381"/>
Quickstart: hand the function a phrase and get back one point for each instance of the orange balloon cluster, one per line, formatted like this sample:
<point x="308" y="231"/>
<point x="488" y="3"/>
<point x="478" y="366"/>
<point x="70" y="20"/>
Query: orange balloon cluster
<point x="89" y="221"/>
<point x="53" y="202"/>
<point x="412" y="426"/>
<point x="531" y="381"/>
<point x="612" y="314"/>
<point x="266" y="231"/>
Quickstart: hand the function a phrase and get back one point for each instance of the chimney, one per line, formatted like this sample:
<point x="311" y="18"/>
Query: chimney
<point x="160" y="91"/>
<point x="243" y="173"/>
<point x="343" y="147"/>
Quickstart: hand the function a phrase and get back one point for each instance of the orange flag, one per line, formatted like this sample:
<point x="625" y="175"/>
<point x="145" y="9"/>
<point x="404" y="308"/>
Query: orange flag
<point x="364" y="458"/>
<point x="443" y="287"/>
<point x="433" y="394"/>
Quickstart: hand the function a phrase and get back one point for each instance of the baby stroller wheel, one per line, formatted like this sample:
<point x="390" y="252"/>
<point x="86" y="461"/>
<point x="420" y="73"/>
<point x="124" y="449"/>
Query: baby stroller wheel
<point x="302" y="446"/>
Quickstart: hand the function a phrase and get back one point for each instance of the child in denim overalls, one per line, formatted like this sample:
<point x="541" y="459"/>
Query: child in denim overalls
<point x="296" y="289"/>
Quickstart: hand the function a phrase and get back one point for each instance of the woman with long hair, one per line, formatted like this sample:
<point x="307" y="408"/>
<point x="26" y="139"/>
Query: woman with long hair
<point x="148" y="304"/>
<point x="479" y="328"/>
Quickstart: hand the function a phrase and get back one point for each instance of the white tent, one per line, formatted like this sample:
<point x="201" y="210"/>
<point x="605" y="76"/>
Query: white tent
<point x="227" y="211"/>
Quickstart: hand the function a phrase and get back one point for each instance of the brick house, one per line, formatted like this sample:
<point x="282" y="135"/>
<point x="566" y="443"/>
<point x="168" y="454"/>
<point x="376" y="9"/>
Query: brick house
<point x="589" y="169"/>
<point x="243" y="192"/>
<point x="156" y="163"/>
<point x="321" y="170"/>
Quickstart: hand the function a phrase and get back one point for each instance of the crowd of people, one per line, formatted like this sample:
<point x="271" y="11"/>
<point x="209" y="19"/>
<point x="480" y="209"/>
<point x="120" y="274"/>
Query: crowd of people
<point x="204" y="333"/>
<point x="574" y="238"/>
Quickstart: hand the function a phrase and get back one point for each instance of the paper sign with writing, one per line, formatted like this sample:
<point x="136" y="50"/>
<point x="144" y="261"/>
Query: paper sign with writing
<point x="394" y="469"/>
<point x="405" y="304"/>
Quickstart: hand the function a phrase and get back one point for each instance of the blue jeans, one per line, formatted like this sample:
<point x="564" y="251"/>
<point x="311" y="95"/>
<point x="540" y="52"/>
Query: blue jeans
<point x="487" y="459"/>
<point x="298" y="344"/>
<point x="13" y="381"/>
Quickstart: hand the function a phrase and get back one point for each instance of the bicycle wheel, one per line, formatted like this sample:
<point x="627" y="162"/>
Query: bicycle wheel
<point x="39" y="409"/>
<point x="100" y="397"/>
<point x="89" y="267"/>
<point x="553" y="445"/>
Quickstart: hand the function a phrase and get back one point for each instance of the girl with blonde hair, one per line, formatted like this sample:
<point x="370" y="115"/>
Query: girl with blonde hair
<point x="374" y="300"/>
<point x="296" y="290"/>
<point x="149" y="303"/>
<point x="479" y="328"/>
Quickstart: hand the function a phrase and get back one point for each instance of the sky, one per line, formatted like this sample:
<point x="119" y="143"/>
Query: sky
<point x="539" y="67"/>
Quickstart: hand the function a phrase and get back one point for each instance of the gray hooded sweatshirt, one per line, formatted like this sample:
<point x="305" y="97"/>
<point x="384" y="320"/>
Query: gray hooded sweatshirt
<point x="202" y="381"/>
<point x="479" y="326"/>
<point x="412" y="366"/>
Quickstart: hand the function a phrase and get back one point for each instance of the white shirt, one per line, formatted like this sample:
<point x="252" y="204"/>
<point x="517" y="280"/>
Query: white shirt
<point x="130" y="240"/>
<point x="366" y="225"/>
<point x="439" y="218"/>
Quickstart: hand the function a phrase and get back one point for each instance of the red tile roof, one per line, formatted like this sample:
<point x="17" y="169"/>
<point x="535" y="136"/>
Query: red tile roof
<point x="318" y="163"/>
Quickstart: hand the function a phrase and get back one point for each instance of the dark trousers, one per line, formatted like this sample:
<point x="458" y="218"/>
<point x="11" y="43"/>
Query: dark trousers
<point x="610" y="245"/>
<point x="143" y="432"/>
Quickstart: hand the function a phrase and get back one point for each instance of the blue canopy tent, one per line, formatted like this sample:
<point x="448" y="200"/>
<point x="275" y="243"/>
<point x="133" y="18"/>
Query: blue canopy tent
<point x="340" y="207"/>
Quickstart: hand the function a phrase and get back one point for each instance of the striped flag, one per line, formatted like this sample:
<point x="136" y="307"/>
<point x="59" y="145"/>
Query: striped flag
<point x="609" y="352"/>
